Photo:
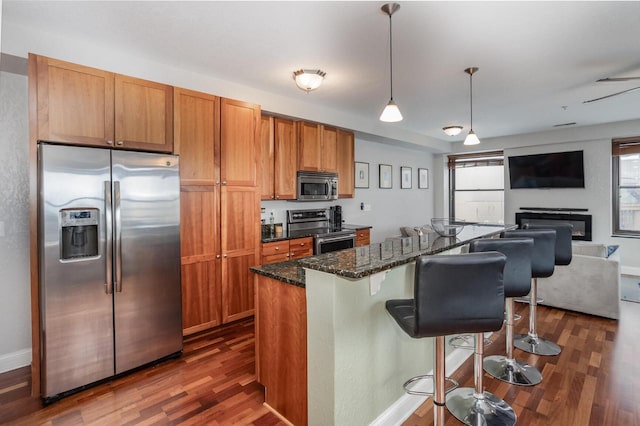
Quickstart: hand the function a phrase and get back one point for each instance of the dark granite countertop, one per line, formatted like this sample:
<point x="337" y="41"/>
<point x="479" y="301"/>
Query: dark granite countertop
<point x="363" y="261"/>
<point x="290" y="272"/>
<point x="355" y="227"/>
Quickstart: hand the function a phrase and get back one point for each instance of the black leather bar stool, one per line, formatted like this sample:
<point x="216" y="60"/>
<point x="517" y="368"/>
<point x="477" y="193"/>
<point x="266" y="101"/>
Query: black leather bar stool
<point x="564" y="233"/>
<point x="542" y="266"/>
<point x="457" y="294"/>
<point x="517" y="282"/>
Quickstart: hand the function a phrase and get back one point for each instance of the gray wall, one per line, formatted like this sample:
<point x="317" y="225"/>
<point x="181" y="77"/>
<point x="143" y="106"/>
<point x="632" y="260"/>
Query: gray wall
<point x="15" y="313"/>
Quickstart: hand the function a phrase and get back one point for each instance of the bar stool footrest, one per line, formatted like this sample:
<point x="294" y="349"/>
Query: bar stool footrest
<point x="407" y="389"/>
<point x="466" y="341"/>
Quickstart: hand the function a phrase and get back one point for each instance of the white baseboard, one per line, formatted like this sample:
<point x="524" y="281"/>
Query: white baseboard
<point x="14" y="360"/>
<point x="405" y="406"/>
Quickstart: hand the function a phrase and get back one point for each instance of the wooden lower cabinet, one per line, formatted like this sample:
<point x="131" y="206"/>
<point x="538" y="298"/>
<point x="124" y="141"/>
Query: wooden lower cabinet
<point x="240" y="247"/>
<point x="363" y="237"/>
<point x="301" y="247"/>
<point x="281" y="347"/>
<point x="201" y="296"/>
<point x="237" y="286"/>
<point x="280" y="251"/>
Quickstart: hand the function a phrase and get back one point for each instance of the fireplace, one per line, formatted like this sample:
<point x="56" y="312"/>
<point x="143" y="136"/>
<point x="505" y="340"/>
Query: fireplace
<point x="581" y="222"/>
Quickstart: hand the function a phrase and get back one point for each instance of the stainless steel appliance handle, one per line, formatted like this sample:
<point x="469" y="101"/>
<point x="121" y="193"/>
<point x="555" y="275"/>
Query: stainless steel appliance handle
<point x="323" y="240"/>
<point x="328" y="189"/>
<point x="108" y="283"/>
<point x="118" y="236"/>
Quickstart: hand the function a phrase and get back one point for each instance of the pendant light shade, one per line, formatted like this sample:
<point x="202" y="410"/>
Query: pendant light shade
<point x="472" y="138"/>
<point x="391" y="112"/>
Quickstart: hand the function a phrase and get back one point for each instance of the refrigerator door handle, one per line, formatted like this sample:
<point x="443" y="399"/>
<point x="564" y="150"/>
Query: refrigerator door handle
<point x="108" y="283"/>
<point x="118" y="235"/>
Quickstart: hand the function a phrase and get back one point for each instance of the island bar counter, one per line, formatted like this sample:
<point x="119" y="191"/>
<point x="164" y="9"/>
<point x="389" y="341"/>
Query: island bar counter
<point x="327" y="352"/>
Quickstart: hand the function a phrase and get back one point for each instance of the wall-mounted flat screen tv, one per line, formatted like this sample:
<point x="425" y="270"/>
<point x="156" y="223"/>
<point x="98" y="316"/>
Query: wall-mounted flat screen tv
<point x="552" y="170"/>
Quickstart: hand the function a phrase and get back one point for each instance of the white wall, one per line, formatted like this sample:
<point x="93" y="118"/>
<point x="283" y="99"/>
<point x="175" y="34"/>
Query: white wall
<point x="390" y="208"/>
<point x="15" y="308"/>
<point x="595" y="141"/>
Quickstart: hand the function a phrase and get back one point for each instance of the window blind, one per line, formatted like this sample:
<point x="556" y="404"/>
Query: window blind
<point x="482" y="159"/>
<point x="623" y="146"/>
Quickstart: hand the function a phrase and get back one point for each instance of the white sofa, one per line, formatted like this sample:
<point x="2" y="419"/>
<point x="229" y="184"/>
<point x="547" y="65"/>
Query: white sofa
<point x="590" y="284"/>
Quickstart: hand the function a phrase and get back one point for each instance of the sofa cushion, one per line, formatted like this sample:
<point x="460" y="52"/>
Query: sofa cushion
<point x="590" y="249"/>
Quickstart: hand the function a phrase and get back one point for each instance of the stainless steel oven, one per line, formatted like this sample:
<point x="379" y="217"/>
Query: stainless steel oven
<point x="317" y="186"/>
<point x="327" y="236"/>
<point x="329" y="242"/>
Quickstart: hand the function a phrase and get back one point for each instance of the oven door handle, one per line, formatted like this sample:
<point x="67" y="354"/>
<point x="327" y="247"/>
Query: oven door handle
<point x="336" y="238"/>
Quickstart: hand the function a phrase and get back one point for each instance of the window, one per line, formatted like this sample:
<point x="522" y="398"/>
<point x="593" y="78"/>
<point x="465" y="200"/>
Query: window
<point x="626" y="186"/>
<point x="476" y="184"/>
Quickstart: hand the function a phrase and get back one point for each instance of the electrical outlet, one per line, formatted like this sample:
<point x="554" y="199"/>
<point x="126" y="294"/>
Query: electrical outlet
<point x="366" y="207"/>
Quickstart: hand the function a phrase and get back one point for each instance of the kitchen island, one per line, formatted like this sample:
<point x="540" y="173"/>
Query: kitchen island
<point x="326" y="350"/>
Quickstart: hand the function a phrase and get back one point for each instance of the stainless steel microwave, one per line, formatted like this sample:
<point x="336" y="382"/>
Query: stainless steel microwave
<point x="317" y="186"/>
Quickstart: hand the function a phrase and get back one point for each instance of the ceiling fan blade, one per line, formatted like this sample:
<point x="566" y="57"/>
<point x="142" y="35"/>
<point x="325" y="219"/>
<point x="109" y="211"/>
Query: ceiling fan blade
<point x="611" y="95"/>
<point x="612" y="79"/>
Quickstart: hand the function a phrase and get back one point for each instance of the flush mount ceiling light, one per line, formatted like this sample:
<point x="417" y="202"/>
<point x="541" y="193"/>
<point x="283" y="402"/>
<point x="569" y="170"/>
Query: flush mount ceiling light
<point x="452" y="130"/>
<point x="391" y="112"/>
<point x="308" y="80"/>
<point x="471" y="138"/>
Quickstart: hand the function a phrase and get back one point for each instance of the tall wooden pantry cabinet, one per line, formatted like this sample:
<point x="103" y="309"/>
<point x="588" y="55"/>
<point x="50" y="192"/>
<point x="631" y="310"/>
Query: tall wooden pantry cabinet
<point x="218" y="143"/>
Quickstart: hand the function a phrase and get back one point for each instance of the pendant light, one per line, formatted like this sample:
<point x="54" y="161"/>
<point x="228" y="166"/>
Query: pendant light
<point x="391" y="112"/>
<point x="471" y="138"/>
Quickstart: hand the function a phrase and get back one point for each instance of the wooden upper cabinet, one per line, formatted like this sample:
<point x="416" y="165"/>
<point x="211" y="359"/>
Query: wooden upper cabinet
<point x="317" y="147"/>
<point x="239" y="142"/>
<point x="267" y="158"/>
<point x="144" y="114"/>
<point x="346" y="158"/>
<point x="196" y="136"/>
<point x="309" y="146"/>
<point x="286" y="153"/>
<point x="329" y="149"/>
<point x="87" y="106"/>
<point x="74" y="103"/>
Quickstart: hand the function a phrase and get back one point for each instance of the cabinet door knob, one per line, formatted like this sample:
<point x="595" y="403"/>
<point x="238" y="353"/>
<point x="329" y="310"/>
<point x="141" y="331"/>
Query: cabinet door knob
<point x="217" y="256"/>
<point x="109" y="142"/>
<point x="119" y="143"/>
<point x="224" y="255"/>
<point x="224" y="182"/>
<point x="277" y="248"/>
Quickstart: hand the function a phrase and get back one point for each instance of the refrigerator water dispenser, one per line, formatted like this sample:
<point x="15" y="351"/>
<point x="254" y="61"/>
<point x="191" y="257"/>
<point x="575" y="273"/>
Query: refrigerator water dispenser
<point x="79" y="233"/>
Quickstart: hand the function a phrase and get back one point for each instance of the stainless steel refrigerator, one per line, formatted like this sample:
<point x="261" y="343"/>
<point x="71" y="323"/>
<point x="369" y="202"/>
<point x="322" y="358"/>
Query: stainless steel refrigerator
<point x="109" y="258"/>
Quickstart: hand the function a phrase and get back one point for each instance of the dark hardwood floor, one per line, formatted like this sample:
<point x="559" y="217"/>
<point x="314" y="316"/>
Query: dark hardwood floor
<point x="595" y="381"/>
<point x="213" y="383"/>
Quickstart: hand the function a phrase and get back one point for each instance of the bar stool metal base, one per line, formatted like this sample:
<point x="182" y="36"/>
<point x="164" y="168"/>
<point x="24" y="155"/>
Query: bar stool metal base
<point x="488" y="409"/>
<point x="512" y="371"/>
<point x="536" y="345"/>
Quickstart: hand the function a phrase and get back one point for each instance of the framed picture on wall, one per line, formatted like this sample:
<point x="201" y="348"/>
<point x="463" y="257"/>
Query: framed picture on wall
<point x="423" y="178"/>
<point x="361" y="175"/>
<point x="405" y="177"/>
<point x="385" y="176"/>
